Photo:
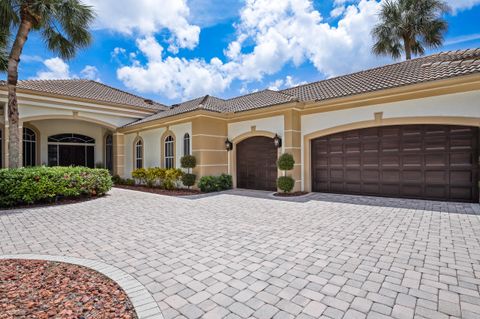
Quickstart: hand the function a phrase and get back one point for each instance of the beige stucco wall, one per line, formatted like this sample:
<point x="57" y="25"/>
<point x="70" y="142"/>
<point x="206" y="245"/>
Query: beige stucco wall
<point x="461" y="105"/>
<point x="47" y="128"/>
<point x="274" y="124"/>
<point x="153" y="145"/>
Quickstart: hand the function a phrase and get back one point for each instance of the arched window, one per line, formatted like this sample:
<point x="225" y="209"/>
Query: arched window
<point x="186" y="144"/>
<point x="70" y="149"/>
<point x="29" y="147"/>
<point x="169" y="152"/>
<point x="109" y="152"/>
<point x="139" y="154"/>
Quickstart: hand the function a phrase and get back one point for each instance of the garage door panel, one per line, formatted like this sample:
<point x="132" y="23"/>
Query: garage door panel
<point x="413" y="161"/>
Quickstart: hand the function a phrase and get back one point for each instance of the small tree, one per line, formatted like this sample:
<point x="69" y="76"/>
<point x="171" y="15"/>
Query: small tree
<point x="285" y="163"/>
<point x="188" y="162"/>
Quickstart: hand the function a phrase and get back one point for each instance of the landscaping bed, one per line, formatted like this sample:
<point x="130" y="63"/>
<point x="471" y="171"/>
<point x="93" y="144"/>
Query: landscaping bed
<point x="37" y="289"/>
<point x="161" y="191"/>
<point x="292" y="194"/>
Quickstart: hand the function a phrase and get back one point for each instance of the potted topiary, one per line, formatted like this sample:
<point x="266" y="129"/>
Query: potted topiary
<point x="285" y="163"/>
<point x="188" y="162"/>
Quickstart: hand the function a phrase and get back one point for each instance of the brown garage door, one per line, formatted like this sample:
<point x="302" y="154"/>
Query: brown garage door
<point x="414" y="161"/>
<point x="256" y="164"/>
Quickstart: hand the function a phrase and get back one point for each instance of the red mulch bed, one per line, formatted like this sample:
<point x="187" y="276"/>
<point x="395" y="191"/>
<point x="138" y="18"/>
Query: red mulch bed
<point x="161" y="191"/>
<point x="38" y="289"/>
<point x="58" y="202"/>
<point x="294" y="194"/>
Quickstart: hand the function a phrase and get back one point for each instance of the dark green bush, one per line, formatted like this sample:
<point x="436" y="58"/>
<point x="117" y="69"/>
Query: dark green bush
<point x="45" y="184"/>
<point x="188" y="179"/>
<point x="285" y="162"/>
<point x="188" y="161"/>
<point x="117" y="180"/>
<point x="285" y="183"/>
<point x="209" y="184"/>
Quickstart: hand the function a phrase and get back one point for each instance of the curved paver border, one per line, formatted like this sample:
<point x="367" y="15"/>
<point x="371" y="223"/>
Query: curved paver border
<point x="145" y="306"/>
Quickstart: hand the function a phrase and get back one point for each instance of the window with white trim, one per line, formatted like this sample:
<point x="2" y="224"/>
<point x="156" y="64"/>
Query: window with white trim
<point x="186" y="144"/>
<point x="139" y="154"/>
<point x="169" y="152"/>
<point x="29" y="147"/>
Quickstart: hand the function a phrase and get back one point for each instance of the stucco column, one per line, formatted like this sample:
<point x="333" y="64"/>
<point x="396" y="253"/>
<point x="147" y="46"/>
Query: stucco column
<point x="20" y="142"/>
<point x="119" y="154"/>
<point x="292" y="144"/>
<point x="5" y="146"/>
<point x="208" y="146"/>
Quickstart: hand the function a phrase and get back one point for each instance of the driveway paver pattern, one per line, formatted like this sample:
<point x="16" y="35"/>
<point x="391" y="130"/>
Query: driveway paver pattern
<point x="242" y="254"/>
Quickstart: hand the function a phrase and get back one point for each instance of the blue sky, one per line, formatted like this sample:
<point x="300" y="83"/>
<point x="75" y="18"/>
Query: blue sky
<point x="184" y="49"/>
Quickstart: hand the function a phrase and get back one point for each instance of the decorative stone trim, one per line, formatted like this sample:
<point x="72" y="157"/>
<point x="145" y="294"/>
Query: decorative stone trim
<point x="145" y="306"/>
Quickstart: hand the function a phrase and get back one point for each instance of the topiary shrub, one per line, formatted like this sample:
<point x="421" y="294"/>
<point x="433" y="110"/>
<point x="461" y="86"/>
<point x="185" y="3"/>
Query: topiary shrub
<point x="209" y="184"/>
<point x="188" y="179"/>
<point x="285" y="183"/>
<point x="45" y="184"/>
<point x="188" y="162"/>
<point x="285" y="162"/>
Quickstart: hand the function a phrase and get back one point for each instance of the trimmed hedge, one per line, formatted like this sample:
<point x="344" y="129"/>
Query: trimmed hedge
<point x="156" y="176"/>
<point x="209" y="184"/>
<point x="31" y="185"/>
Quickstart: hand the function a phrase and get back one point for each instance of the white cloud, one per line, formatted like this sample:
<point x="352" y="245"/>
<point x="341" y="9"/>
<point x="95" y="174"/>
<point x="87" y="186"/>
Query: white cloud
<point x="269" y="35"/>
<point x="91" y="73"/>
<point x="285" y="83"/>
<point x="172" y="76"/>
<point x="147" y="17"/>
<point x="293" y="31"/>
<point x="459" y="5"/>
<point x="56" y="68"/>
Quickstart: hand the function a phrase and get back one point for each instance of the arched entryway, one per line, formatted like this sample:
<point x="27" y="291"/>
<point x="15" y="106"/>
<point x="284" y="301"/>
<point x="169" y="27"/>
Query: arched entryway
<point x="71" y="150"/>
<point x="256" y="163"/>
<point x="436" y="162"/>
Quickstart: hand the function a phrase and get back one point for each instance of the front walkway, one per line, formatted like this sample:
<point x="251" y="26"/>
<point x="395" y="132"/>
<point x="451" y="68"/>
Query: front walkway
<point x="242" y="254"/>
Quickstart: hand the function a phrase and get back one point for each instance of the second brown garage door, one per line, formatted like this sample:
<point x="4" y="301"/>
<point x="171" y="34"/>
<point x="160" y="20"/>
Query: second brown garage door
<point x="413" y="161"/>
<point x="256" y="164"/>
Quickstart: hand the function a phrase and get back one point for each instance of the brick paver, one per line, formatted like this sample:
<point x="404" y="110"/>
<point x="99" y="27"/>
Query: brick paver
<point x="244" y="254"/>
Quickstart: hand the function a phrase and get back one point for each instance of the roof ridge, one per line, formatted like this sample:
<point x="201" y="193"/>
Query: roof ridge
<point x="442" y="53"/>
<point x="122" y="91"/>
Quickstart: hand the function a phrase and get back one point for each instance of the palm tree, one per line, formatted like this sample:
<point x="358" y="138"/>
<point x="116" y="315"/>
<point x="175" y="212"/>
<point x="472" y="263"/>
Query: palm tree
<point x="64" y="27"/>
<point x="408" y="26"/>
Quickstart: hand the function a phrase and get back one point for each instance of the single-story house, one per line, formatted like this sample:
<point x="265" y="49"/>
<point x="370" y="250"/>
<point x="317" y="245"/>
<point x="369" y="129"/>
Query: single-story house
<point x="409" y="129"/>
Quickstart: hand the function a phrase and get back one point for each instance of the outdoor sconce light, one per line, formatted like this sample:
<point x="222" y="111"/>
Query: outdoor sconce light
<point x="277" y="141"/>
<point x="228" y="145"/>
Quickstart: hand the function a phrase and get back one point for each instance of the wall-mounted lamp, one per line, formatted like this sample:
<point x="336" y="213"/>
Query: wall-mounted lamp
<point x="277" y="141"/>
<point x="228" y="145"/>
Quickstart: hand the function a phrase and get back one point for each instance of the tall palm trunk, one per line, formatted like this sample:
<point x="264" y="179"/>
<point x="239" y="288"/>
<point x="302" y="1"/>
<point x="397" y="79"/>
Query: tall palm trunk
<point x="13" y="117"/>
<point x="408" y="47"/>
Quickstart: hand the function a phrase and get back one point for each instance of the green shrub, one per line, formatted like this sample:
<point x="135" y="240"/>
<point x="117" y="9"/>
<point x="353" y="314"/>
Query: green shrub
<point x="45" y="184"/>
<point x="117" y="180"/>
<point x="188" y="179"/>
<point x="188" y="161"/>
<point x="140" y="174"/>
<point x="209" y="184"/>
<point x="285" y="183"/>
<point x="285" y="162"/>
<point x="226" y="181"/>
<point x="172" y="177"/>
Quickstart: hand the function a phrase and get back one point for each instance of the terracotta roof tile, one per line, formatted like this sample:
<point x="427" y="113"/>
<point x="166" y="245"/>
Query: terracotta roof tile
<point x="430" y="68"/>
<point x="90" y="90"/>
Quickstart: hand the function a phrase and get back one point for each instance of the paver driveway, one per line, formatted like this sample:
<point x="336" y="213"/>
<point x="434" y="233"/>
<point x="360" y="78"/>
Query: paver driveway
<point x="235" y="255"/>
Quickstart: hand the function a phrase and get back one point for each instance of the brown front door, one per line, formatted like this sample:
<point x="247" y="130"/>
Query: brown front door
<point x="437" y="162"/>
<point x="256" y="164"/>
